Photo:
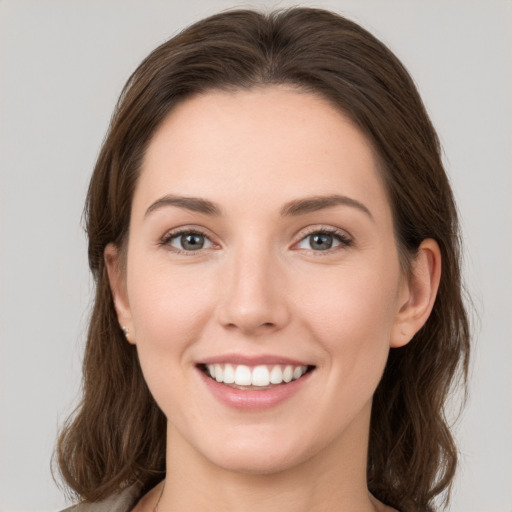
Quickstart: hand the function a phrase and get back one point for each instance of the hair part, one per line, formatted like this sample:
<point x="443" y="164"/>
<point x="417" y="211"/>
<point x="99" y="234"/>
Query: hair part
<point x="116" y="437"/>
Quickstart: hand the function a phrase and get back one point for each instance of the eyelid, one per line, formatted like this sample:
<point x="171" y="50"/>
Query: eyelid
<point x="343" y="236"/>
<point x="181" y="230"/>
<point x="346" y="240"/>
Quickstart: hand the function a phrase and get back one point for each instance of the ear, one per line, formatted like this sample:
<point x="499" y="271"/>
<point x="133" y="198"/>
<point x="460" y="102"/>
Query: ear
<point x="117" y="280"/>
<point x="418" y="293"/>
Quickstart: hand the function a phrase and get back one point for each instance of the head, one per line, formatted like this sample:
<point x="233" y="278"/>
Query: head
<point x="343" y="72"/>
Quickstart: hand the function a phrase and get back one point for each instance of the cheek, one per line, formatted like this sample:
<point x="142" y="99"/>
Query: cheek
<point x="169" y="305"/>
<point x="170" y="308"/>
<point x="351" y="314"/>
<point x="357" y="300"/>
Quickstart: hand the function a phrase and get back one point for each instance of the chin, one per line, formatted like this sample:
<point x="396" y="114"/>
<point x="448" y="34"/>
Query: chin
<point x="260" y="457"/>
<point x="250" y="464"/>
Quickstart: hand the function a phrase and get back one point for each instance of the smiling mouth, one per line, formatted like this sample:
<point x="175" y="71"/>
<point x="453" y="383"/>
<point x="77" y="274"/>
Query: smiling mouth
<point x="260" y="377"/>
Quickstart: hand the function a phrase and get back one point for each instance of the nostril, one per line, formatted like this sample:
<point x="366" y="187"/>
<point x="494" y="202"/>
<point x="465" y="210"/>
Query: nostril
<point x="247" y="326"/>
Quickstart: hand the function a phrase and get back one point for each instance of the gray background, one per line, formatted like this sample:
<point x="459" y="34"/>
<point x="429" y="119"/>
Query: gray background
<point x="62" y="66"/>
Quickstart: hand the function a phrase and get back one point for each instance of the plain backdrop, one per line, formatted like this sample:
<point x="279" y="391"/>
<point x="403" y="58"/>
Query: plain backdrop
<point x="62" y="66"/>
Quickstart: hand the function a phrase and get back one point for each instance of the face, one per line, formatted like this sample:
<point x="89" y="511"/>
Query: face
<point x="262" y="286"/>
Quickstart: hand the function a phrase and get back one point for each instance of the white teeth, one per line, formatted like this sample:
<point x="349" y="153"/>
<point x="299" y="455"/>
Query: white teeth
<point x="276" y="375"/>
<point x="288" y="374"/>
<point x="297" y="372"/>
<point x="229" y="374"/>
<point x="219" y="373"/>
<point x="258" y="376"/>
<point x="243" y="375"/>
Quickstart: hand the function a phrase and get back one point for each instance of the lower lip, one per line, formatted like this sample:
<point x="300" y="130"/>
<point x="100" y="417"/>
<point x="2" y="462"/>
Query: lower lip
<point x="254" y="399"/>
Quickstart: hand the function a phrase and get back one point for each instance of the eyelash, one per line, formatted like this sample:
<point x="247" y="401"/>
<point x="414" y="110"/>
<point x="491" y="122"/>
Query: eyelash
<point x="170" y="236"/>
<point x="341" y="236"/>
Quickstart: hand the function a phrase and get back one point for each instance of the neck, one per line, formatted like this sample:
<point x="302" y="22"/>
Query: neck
<point x="332" y="480"/>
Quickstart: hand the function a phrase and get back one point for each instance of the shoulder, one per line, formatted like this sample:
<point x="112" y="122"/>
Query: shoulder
<point x="122" y="502"/>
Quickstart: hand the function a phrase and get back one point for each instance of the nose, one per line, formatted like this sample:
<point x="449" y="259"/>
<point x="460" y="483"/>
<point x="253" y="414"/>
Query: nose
<point x="254" y="298"/>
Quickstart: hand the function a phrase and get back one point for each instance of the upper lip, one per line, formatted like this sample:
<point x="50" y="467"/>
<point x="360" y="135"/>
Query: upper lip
<point x="264" y="359"/>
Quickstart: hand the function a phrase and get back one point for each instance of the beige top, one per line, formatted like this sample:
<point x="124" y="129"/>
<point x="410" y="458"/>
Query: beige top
<point x="122" y="502"/>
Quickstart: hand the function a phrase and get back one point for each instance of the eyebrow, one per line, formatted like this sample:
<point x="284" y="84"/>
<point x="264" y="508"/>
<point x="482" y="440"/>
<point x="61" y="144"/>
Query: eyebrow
<point x="194" y="204"/>
<point x="316" y="203"/>
<point x="293" y="208"/>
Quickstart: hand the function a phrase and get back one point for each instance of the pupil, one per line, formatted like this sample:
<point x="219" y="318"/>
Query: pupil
<point x="321" y="241"/>
<point x="192" y="241"/>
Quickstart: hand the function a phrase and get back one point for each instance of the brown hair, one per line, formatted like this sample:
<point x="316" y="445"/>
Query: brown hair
<point x="117" y="435"/>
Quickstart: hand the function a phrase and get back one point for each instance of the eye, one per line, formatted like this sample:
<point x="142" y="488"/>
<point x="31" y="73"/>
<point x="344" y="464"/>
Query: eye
<point x="324" y="240"/>
<point x="188" y="241"/>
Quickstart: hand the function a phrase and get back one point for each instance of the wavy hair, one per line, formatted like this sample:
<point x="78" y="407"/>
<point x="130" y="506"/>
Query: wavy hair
<point x="116" y="436"/>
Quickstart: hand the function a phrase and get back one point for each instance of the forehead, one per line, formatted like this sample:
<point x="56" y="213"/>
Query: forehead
<point x="264" y="144"/>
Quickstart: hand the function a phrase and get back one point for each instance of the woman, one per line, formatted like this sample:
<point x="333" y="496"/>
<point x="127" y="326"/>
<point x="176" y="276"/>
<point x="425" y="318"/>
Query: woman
<point x="278" y="316"/>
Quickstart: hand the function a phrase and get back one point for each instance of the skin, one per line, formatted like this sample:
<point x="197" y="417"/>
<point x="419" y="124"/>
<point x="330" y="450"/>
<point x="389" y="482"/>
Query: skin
<point x="258" y="286"/>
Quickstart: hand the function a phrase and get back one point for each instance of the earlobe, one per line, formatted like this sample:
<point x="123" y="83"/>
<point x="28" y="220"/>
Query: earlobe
<point x="117" y="281"/>
<point x="419" y="294"/>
